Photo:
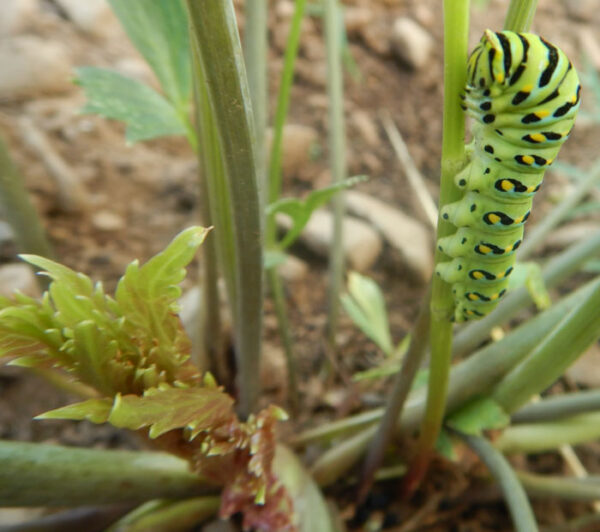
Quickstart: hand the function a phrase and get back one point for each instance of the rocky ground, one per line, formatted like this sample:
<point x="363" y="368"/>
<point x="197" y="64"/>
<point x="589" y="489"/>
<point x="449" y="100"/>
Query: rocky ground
<point x="104" y="202"/>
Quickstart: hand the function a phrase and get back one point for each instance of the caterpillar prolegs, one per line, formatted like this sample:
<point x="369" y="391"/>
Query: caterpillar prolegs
<point x="523" y="93"/>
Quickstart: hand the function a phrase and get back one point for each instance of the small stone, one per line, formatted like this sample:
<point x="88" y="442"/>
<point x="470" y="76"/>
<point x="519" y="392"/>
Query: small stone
<point x="366" y="127"/>
<point x="293" y="269"/>
<point x="31" y="65"/>
<point x="92" y="16"/>
<point x="377" y="37"/>
<point x="408" y="237"/>
<point x="362" y="245"/>
<point x="273" y="367"/>
<point x="18" y="276"/>
<point x="586" y="370"/>
<point x="314" y="73"/>
<point x="16" y="14"/>
<point x="298" y="140"/>
<point x="107" y="221"/>
<point x="411" y="42"/>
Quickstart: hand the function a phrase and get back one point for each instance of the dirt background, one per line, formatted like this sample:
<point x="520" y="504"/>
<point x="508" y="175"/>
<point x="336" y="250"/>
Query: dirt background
<point x="137" y="197"/>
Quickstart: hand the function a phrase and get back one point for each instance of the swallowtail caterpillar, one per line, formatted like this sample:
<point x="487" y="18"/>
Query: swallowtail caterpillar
<point x="523" y="93"/>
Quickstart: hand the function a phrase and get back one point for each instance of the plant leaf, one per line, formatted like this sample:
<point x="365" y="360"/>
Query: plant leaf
<point x="300" y="210"/>
<point x="145" y="112"/>
<point x="162" y="410"/>
<point x="478" y="415"/>
<point x="158" y="29"/>
<point x="365" y="304"/>
<point x="94" y="410"/>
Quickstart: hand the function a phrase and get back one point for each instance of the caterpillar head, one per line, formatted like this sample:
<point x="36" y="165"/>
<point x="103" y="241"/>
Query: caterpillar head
<point x="490" y="63"/>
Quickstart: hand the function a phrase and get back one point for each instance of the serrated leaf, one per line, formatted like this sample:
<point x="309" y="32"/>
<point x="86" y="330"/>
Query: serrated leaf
<point x="162" y="410"/>
<point x="94" y="410"/>
<point x="158" y="29"/>
<point x="145" y="112"/>
<point x="530" y="275"/>
<point x="365" y="304"/>
<point x="478" y="415"/>
<point x="300" y="210"/>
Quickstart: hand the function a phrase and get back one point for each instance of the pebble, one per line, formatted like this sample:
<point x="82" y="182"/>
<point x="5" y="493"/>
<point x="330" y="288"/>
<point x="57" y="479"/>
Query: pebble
<point x="273" y="367"/>
<point x="92" y="16"/>
<point x="411" y="43"/>
<point x="367" y="128"/>
<point x="376" y="36"/>
<point x="107" y="221"/>
<point x="298" y="140"/>
<point x="16" y="15"/>
<point x="357" y="19"/>
<point x="362" y="244"/>
<point x="18" y="276"/>
<point x="31" y="65"/>
<point x="293" y="269"/>
<point x="586" y="370"/>
<point x="410" y="238"/>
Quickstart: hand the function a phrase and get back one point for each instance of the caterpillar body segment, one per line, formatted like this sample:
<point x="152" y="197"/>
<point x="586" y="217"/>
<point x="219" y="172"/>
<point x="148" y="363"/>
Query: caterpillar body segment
<point x="523" y="93"/>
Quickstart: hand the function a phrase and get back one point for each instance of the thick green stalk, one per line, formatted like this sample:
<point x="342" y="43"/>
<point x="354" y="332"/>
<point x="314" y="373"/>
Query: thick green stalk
<point x="215" y="210"/>
<point x="219" y="50"/>
<point x="456" y="31"/>
<point x="558" y="406"/>
<point x="540" y="437"/>
<point x="255" y="53"/>
<point x="18" y="209"/>
<point x="520" y="15"/>
<point x="471" y="378"/>
<point x="569" y="489"/>
<point x="337" y="153"/>
<point x="557" y="351"/>
<point x="396" y="399"/>
<point x="34" y="474"/>
<point x="557" y="270"/>
<point x="514" y="494"/>
<point x="538" y="234"/>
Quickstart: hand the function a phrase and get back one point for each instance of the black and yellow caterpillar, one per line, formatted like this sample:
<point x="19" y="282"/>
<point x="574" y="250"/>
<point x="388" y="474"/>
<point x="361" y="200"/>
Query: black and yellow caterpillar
<point x="523" y="93"/>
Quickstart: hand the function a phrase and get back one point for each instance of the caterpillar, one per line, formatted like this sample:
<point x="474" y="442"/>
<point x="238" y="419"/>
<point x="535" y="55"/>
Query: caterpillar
<point x="523" y="93"/>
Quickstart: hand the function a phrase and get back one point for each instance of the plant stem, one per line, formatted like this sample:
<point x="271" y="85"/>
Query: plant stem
<point x="215" y="34"/>
<point x="396" y="399"/>
<point x="34" y="474"/>
<point x="559" y="349"/>
<point x="539" y="437"/>
<point x="337" y="149"/>
<point x="569" y="489"/>
<point x="18" y="209"/>
<point x="520" y="15"/>
<point x="472" y="377"/>
<point x="255" y="53"/>
<point x="514" y="494"/>
<point x="274" y="191"/>
<point x="558" y="214"/>
<point x="555" y="271"/>
<point x="558" y="406"/>
<point x="169" y="516"/>
<point x="456" y="30"/>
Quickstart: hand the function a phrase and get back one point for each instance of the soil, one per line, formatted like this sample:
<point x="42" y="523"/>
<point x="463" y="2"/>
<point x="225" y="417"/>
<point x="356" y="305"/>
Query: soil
<point x="148" y="192"/>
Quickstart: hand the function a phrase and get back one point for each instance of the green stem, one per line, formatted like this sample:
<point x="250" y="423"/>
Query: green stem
<point x="520" y="15"/>
<point x="539" y="232"/>
<point x="337" y="149"/>
<point x="557" y="270"/>
<point x="34" y="474"/>
<point x="472" y="377"/>
<point x="568" y="489"/>
<point x="18" y="209"/>
<point x="558" y="406"/>
<point x="557" y="351"/>
<point x="215" y="34"/>
<point x="171" y="516"/>
<point x="397" y="397"/>
<point x="540" y="437"/>
<point x="255" y="53"/>
<point x="585" y="523"/>
<point x="456" y="31"/>
<point x="514" y="494"/>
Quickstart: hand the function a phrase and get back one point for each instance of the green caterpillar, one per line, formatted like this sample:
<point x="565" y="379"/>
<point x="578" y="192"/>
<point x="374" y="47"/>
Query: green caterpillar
<point x="523" y="93"/>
